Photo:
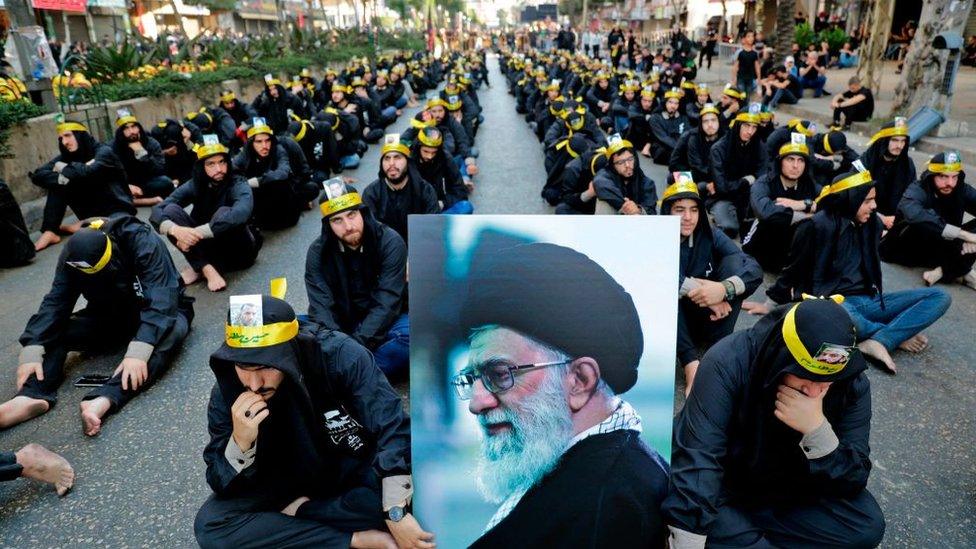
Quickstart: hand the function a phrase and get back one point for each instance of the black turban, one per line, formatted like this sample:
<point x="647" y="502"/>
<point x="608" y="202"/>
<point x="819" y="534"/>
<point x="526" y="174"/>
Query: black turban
<point x="561" y="298"/>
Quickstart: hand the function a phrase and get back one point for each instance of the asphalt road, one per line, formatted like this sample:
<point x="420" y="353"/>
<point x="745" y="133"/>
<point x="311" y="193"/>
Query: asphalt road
<point x="141" y="481"/>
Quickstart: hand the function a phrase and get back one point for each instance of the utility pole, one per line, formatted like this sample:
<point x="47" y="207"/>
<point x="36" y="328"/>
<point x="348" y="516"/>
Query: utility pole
<point x="586" y="19"/>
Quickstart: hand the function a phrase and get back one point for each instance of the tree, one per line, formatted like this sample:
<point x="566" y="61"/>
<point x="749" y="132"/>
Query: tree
<point x="784" y="27"/>
<point x="869" y="62"/>
<point x="925" y="66"/>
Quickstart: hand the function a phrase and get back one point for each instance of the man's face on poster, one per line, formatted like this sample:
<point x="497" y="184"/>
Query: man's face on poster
<point x="526" y="428"/>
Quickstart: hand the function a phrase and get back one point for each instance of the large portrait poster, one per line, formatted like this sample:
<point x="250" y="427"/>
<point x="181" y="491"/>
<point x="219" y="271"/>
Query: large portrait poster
<point x="523" y="330"/>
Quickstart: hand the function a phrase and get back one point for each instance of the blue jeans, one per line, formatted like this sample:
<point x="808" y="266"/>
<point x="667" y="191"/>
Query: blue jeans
<point x="746" y="85"/>
<point x="782" y="96"/>
<point x="816" y="84"/>
<point x="461" y="207"/>
<point x="402" y="102"/>
<point x="350" y="162"/>
<point x="906" y="313"/>
<point x="620" y="123"/>
<point x="393" y="355"/>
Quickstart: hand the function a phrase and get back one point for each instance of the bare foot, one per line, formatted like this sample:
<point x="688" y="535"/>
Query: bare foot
<point x="47" y="239"/>
<point x="372" y="539"/>
<point x="92" y="412"/>
<point x="915" y="344"/>
<point x="215" y="282"/>
<point x="878" y="355"/>
<point x="147" y="201"/>
<point x="970" y="279"/>
<point x="646" y="151"/>
<point x="690" y="370"/>
<point x="755" y="308"/>
<point x="70" y="229"/>
<point x="41" y="464"/>
<point x="189" y="276"/>
<point x="20" y="408"/>
<point x="933" y="276"/>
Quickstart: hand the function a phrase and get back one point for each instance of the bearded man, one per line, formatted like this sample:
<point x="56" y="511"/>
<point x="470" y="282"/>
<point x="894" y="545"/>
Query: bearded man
<point x="561" y="452"/>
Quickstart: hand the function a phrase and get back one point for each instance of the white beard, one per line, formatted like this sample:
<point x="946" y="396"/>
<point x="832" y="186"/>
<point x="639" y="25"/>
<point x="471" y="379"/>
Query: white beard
<point x="518" y="458"/>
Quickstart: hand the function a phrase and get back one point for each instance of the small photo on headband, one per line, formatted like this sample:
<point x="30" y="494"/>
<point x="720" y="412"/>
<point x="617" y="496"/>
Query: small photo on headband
<point x="210" y="139"/>
<point x="245" y="310"/>
<point x="833" y="353"/>
<point x="682" y="177"/>
<point x="268" y="77"/>
<point x="755" y="108"/>
<point x="122" y="113"/>
<point x="951" y="157"/>
<point x="391" y="139"/>
<point x="798" y="139"/>
<point x="334" y="187"/>
<point x="258" y="121"/>
<point x="859" y="166"/>
<point x="901" y="122"/>
<point x="614" y="139"/>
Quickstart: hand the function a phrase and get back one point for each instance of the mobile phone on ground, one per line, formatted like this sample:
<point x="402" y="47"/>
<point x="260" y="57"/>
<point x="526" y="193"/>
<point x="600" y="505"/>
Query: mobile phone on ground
<point x="92" y="380"/>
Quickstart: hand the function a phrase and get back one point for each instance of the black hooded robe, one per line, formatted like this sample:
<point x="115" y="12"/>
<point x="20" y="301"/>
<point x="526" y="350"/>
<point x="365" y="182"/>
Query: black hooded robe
<point x="148" y="172"/>
<point x="277" y="202"/>
<point x="392" y="207"/>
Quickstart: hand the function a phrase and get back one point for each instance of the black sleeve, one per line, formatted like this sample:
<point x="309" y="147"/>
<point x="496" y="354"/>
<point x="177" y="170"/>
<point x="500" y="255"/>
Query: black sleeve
<point x="763" y="205"/>
<point x="650" y="196"/>
<point x="844" y="472"/>
<point x="47" y="324"/>
<point x="182" y="196"/>
<point x="389" y="288"/>
<point x="156" y="162"/>
<point x="745" y="266"/>
<point x="608" y="191"/>
<point x="223" y="479"/>
<point x="660" y="131"/>
<point x="914" y="208"/>
<point x="45" y="176"/>
<point x="796" y="278"/>
<point x="282" y="171"/>
<point x="241" y="207"/>
<point x="94" y="171"/>
<point x="160" y="284"/>
<point x="320" y="300"/>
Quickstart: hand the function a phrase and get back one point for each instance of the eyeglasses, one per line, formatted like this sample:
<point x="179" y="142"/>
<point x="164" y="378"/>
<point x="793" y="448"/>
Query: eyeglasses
<point x="497" y="375"/>
<point x="623" y="161"/>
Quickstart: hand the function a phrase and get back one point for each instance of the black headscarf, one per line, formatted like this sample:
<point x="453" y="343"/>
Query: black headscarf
<point x="892" y="177"/>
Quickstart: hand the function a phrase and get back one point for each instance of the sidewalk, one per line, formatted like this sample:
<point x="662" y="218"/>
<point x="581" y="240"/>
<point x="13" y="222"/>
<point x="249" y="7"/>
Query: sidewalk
<point x="963" y="108"/>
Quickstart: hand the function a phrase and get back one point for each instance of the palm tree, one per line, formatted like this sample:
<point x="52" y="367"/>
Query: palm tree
<point x="784" y="27"/>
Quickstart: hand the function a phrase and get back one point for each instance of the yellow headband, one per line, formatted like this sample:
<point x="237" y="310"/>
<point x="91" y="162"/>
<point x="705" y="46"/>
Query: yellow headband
<point x="746" y="117"/>
<point x="680" y="187"/>
<point x="428" y="141"/>
<point x="673" y="94"/>
<point x="602" y="151"/>
<point x="734" y="93"/>
<point x="421" y="124"/>
<point x="260" y="336"/>
<point x="71" y="127"/>
<point x="340" y="203"/>
<point x="303" y="128"/>
<point x="564" y="144"/>
<point x="648" y="93"/>
<point x="397" y="147"/>
<point x="856" y="180"/>
<point x="710" y="109"/>
<point x="206" y="151"/>
<point x="618" y="146"/>
<point x="436" y="102"/>
<point x="227" y="97"/>
<point x="955" y="167"/>
<point x="800" y="352"/>
<point x="261" y="128"/>
<point x="893" y="131"/>
<point x="794" y="148"/>
<point x="826" y="144"/>
<point x="127" y="119"/>
<point x="102" y="262"/>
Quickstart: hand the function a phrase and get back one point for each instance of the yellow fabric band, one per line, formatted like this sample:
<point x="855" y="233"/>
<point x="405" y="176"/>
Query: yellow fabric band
<point x="279" y="287"/>
<point x="736" y="94"/>
<point x="955" y="167"/>
<point x="71" y="127"/>
<point x="619" y="146"/>
<point x="596" y="156"/>
<point x="245" y="337"/>
<point x="826" y="144"/>
<point x="228" y="97"/>
<point x="259" y="129"/>
<point x="746" y="117"/>
<point x="856" y="180"/>
<point x="340" y="203"/>
<point x="395" y="147"/>
<point x="889" y="132"/>
<point x="106" y="256"/>
<point x="682" y="187"/>
<point x="205" y="151"/>
<point x="794" y="148"/>
<point x="303" y="129"/>
<point x="707" y="110"/>
<point x="800" y="353"/>
<point x="673" y="95"/>
<point x="420" y="124"/>
<point x="428" y="141"/>
<point x="128" y="119"/>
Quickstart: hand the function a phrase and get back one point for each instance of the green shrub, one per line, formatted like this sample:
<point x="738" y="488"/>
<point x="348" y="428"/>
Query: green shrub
<point x="803" y="35"/>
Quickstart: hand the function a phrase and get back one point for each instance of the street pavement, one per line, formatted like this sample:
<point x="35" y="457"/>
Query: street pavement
<point x="141" y="481"/>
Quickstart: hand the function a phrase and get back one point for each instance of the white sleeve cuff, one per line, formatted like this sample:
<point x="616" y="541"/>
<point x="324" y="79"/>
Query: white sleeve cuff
<point x="397" y="491"/>
<point x="140" y="350"/>
<point x="165" y="227"/>
<point x="680" y="539"/>
<point x="687" y="285"/>
<point x="738" y="284"/>
<point x="237" y="458"/>
<point x="31" y="353"/>
<point x="819" y="442"/>
<point x="951" y="232"/>
<point x="798" y="217"/>
<point x="205" y="230"/>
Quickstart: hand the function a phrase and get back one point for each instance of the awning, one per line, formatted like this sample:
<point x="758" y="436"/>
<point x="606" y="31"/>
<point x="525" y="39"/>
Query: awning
<point x="252" y="15"/>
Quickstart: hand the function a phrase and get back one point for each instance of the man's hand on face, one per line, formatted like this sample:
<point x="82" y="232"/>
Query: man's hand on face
<point x="27" y="369"/>
<point x="186" y="237"/>
<point x="708" y="293"/>
<point x="134" y="373"/>
<point x="720" y="311"/>
<point x="293" y="506"/>
<point x="136" y="146"/>
<point x="409" y="535"/>
<point x="247" y="413"/>
<point x="798" y="411"/>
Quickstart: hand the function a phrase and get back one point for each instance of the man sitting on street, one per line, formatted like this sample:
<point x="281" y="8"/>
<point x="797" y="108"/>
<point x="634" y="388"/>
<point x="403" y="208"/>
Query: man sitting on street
<point x="143" y="161"/>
